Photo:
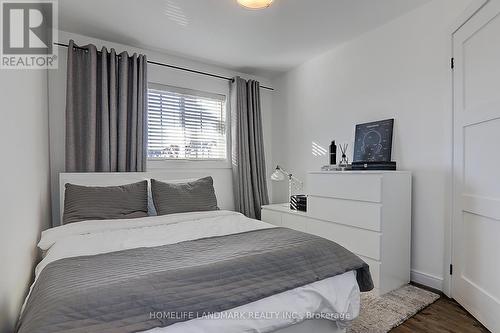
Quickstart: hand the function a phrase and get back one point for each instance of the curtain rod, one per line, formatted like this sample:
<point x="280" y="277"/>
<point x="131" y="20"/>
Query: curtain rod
<point x="175" y="67"/>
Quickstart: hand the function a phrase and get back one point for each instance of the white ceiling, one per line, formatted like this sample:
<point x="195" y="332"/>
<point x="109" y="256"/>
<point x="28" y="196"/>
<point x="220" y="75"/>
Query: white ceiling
<point x="263" y="42"/>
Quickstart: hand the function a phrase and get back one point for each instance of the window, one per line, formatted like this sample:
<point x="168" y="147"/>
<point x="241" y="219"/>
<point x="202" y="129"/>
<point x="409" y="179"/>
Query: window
<point x="185" y="124"/>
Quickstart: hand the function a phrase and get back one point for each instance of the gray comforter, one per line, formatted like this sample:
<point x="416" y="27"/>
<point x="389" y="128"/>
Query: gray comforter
<point x="125" y="291"/>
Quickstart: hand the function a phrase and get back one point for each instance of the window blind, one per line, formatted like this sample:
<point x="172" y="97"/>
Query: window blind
<point x="185" y="124"/>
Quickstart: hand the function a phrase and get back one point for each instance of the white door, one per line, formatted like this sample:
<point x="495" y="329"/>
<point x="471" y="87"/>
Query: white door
<point x="476" y="219"/>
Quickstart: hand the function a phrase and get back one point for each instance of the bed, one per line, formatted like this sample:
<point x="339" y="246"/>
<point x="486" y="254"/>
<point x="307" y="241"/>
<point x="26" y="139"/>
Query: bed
<point x="80" y="258"/>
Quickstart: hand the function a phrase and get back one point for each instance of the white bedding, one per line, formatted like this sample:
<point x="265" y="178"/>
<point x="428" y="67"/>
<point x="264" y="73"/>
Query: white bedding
<point x="335" y="296"/>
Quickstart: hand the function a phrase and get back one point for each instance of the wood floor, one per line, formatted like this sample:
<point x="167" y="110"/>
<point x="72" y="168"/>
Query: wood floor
<point x="445" y="315"/>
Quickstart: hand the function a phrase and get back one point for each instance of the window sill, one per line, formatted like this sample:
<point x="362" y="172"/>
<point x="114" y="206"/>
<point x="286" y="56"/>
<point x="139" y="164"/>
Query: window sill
<point x="155" y="164"/>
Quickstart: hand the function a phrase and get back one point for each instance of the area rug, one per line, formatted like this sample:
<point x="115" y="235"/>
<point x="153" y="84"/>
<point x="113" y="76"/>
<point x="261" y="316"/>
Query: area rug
<point x="381" y="314"/>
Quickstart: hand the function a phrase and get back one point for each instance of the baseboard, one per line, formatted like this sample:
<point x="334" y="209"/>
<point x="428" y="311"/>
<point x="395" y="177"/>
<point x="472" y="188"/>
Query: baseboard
<point x="428" y="280"/>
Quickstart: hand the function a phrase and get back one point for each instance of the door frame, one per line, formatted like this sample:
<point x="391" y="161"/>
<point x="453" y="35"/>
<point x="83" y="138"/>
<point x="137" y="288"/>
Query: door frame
<point x="469" y="12"/>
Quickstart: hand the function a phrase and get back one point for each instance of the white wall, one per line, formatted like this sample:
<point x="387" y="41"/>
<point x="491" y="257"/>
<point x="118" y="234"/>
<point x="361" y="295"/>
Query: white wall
<point x="156" y="74"/>
<point x="400" y="70"/>
<point x="24" y="177"/>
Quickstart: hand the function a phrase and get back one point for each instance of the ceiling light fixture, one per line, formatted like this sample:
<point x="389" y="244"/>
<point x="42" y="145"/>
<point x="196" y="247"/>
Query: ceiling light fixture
<point x="255" y="4"/>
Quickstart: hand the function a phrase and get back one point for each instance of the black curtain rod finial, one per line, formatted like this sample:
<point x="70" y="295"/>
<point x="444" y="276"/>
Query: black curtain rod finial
<point x="178" y="68"/>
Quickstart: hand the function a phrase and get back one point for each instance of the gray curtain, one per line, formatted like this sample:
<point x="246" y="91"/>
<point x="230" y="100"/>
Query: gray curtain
<point x="248" y="161"/>
<point x="106" y="110"/>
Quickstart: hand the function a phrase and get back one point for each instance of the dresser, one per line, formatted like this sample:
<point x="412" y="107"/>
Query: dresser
<point x="367" y="212"/>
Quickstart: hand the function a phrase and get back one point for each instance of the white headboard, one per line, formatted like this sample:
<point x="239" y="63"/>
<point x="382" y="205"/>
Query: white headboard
<point x="222" y="182"/>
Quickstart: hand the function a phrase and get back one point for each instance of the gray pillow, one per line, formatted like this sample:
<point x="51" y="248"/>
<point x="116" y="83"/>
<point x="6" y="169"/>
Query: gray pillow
<point x="110" y="202"/>
<point x="195" y="196"/>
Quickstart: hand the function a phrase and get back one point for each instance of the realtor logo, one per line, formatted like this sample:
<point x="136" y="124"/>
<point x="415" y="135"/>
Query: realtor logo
<point x="28" y="30"/>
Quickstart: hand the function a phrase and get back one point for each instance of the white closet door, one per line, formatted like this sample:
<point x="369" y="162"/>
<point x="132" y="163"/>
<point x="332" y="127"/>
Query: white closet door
<point x="476" y="223"/>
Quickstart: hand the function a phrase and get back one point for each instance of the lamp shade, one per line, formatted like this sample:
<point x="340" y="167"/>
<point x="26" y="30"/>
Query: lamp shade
<point x="255" y="4"/>
<point x="278" y="175"/>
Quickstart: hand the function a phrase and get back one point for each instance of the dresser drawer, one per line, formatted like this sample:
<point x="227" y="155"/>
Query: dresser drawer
<point x="359" y="241"/>
<point x="295" y="222"/>
<point x="354" y="186"/>
<point x="361" y="214"/>
<point x="271" y="217"/>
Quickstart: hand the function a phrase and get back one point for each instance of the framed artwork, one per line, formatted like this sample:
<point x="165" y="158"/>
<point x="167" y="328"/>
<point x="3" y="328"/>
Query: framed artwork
<point x="373" y="141"/>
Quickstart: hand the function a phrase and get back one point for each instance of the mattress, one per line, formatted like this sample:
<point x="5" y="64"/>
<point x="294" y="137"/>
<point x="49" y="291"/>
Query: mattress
<point x="332" y="299"/>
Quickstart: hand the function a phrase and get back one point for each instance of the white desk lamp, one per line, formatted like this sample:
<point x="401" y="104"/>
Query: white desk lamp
<point x="281" y="174"/>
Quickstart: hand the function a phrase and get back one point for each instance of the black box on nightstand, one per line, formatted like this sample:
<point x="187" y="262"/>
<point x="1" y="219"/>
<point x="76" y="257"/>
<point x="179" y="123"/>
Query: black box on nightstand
<point x="298" y="202"/>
